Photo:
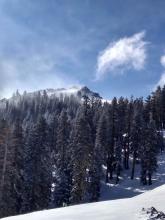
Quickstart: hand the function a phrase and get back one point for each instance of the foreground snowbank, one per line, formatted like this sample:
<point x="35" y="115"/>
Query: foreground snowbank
<point x="122" y="209"/>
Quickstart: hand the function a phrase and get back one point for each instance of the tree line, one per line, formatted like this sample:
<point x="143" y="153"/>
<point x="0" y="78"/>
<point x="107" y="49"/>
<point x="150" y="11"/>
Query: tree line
<point x="55" y="151"/>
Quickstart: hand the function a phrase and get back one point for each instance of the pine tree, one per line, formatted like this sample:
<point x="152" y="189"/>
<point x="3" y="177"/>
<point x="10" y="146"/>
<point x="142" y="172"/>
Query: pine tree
<point x="159" y="108"/>
<point x="148" y="153"/>
<point x="136" y="133"/>
<point x="81" y="157"/>
<point x="121" y="115"/>
<point x="126" y="143"/>
<point x="98" y="156"/>
<point x="147" y="109"/>
<point x="7" y="172"/>
<point x="62" y="166"/>
<point x="111" y="135"/>
<point x="17" y="143"/>
<point x="29" y="157"/>
<point x="118" y="158"/>
<point x="38" y="167"/>
<point x="160" y="140"/>
<point x="163" y="106"/>
<point x="57" y="158"/>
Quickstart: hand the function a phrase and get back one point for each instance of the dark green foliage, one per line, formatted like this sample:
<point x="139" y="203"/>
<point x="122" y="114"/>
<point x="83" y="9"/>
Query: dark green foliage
<point x="55" y="153"/>
<point x="38" y="168"/>
<point x="148" y="153"/>
<point x="97" y="160"/>
<point x="62" y="170"/>
<point x="136" y="133"/>
<point x="81" y="156"/>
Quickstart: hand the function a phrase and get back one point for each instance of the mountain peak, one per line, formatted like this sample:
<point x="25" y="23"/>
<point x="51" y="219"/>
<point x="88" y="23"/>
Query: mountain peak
<point x="77" y="91"/>
<point x="74" y="90"/>
<point x="86" y="91"/>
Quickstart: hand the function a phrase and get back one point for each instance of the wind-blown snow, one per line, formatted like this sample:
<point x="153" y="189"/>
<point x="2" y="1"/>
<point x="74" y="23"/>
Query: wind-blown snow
<point x="122" y="209"/>
<point x="76" y="91"/>
<point x="65" y="91"/>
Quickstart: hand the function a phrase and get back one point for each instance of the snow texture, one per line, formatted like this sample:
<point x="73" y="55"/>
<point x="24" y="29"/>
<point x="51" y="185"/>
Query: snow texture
<point x="128" y="188"/>
<point x="122" y="209"/>
<point x="129" y="201"/>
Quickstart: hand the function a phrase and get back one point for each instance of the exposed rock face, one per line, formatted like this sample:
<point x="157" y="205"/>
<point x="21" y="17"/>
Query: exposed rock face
<point x="153" y="214"/>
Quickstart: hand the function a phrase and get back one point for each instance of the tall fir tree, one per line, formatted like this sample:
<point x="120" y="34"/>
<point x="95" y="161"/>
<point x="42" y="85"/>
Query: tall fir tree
<point x="97" y="160"/>
<point x="148" y="153"/>
<point x="8" y="199"/>
<point x="136" y="133"/>
<point x="81" y="157"/>
<point x="17" y="143"/>
<point x="38" y="167"/>
<point x="62" y="184"/>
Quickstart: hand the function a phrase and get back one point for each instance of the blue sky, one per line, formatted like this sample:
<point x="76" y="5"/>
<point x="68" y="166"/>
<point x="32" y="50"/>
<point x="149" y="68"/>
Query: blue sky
<point x="114" y="47"/>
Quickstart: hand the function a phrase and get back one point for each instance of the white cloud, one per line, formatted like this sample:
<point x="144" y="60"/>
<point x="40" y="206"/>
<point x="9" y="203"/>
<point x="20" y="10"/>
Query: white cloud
<point x="161" y="81"/>
<point x="33" y="73"/>
<point x="36" y="58"/>
<point x="126" y="53"/>
<point x="162" y="60"/>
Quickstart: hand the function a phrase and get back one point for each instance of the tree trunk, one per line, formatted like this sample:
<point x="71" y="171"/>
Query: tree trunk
<point x="133" y="166"/>
<point x="124" y="160"/>
<point x="117" y="173"/>
<point x="126" y="157"/>
<point x="106" y="176"/>
<point x="149" y="179"/>
<point x="143" y="178"/>
<point x="108" y="170"/>
<point x="111" y="174"/>
<point x="111" y="167"/>
<point x="4" y="167"/>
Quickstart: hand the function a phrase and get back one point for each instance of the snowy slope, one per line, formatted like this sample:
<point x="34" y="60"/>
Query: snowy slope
<point x="128" y="188"/>
<point x="122" y="209"/>
<point x="57" y="92"/>
<point x="76" y="91"/>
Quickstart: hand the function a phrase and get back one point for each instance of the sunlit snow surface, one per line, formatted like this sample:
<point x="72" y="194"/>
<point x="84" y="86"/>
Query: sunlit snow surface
<point x="122" y="209"/>
<point x="129" y="208"/>
<point x="125" y="200"/>
<point x="128" y="188"/>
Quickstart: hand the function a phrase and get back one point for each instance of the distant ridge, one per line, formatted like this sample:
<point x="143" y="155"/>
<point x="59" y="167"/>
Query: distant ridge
<point x="76" y="91"/>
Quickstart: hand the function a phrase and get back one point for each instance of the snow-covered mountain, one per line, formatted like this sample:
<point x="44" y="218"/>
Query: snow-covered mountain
<point x="76" y="91"/>
<point x="138" y="207"/>
<point x="132" y="208"/>
<point x="57" y="92"/>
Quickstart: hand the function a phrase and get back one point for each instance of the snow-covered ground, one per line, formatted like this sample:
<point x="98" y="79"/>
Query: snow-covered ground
<point x="122" y="209"/>
<point x="126" y="201"/>
<point x="128" y="188"/>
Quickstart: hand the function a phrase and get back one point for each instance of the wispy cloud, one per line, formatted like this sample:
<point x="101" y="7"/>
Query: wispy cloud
<point x="162" y="60"/>
<point x="33" y="73"/>
<point x="126" y="53"/>
<point x="161" y="81"/>
<point x="37" y="52"/>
